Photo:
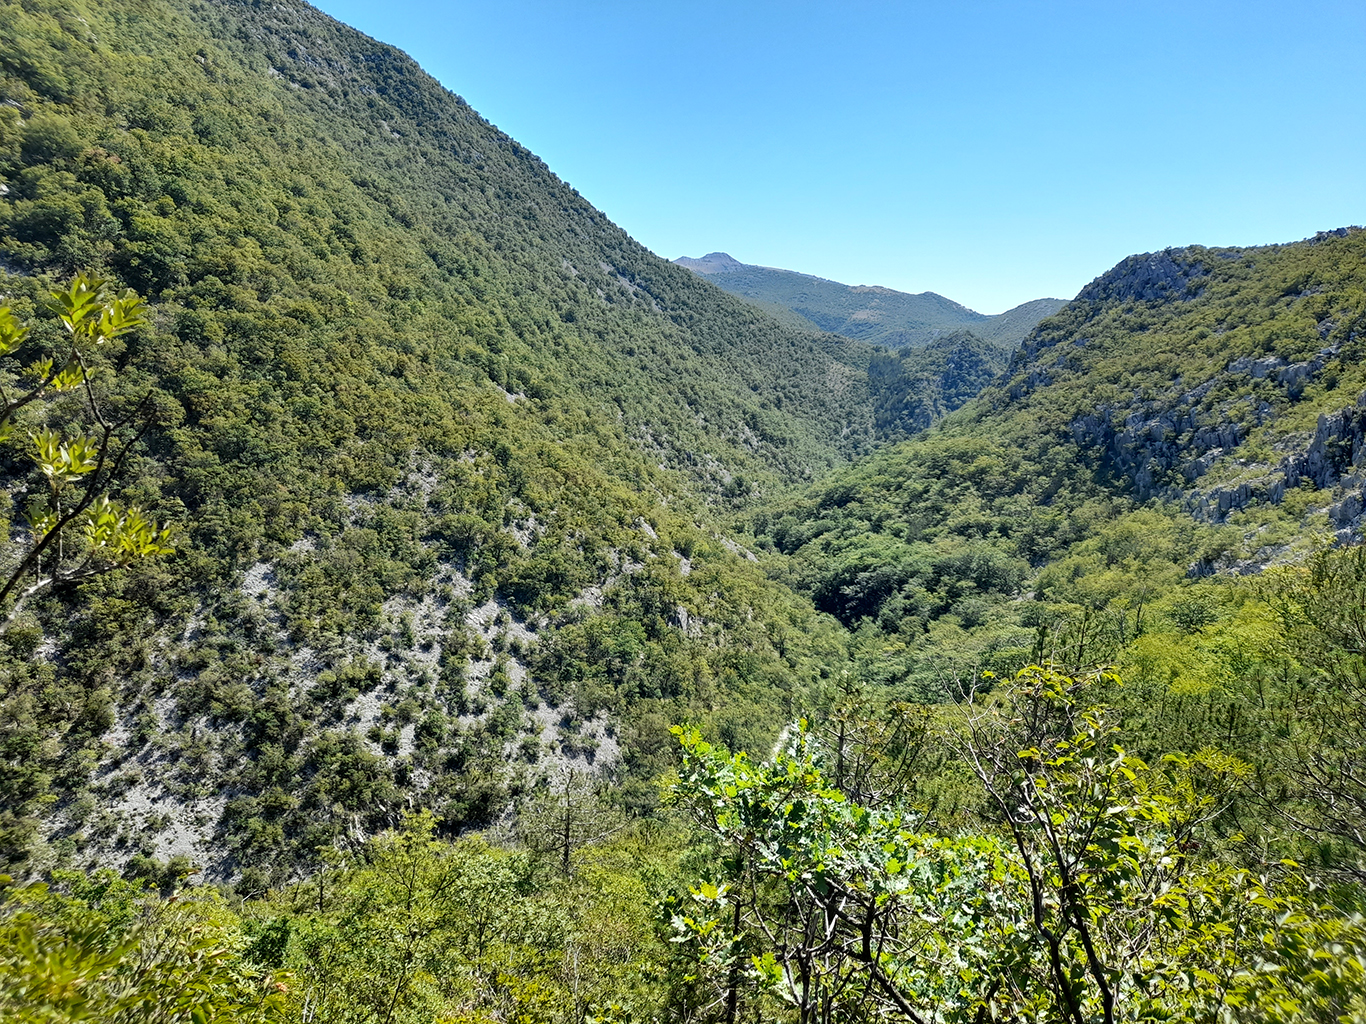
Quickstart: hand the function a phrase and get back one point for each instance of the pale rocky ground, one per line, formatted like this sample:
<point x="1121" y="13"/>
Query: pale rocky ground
<point x="166" y="819"/>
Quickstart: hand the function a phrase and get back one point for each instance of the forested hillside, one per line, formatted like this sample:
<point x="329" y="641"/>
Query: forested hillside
<point x="1191" y="412"/>
<point x="914" y="388"/>
<point x="443" y="442"/>
<point x="881" y="316"/>
<point x="421" y="603"/>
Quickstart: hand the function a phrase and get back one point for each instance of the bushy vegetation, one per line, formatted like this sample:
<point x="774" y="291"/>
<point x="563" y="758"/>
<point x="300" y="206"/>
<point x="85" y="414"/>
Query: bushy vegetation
<point x="1138" y="443"/>
<point x="1174" y="844"/>
<point x="913" y="388"/>
<point x="392" y="367"/>
<point x="477" y="499"/>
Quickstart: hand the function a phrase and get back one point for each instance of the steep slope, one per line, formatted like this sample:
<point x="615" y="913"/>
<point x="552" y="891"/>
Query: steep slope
<point x="874" y="314"/>
<point x="1247" y="372"/>
<point x="1190" y="411"/>
<point x="459" y="462"/>
<point x="913" y="388"/>
<point x="445" y="441"/>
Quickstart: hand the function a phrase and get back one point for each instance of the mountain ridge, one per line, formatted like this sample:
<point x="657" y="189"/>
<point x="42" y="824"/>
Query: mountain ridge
<point x="455" y="457"/>
<point x="872" y="313"/>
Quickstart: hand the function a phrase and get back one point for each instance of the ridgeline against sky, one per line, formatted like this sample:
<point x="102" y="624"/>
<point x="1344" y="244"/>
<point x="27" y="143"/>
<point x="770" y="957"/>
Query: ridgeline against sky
<point x="993" y="153"/>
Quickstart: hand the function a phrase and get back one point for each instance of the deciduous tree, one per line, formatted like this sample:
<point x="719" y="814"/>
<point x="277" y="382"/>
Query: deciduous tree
<point x="76" y="530"/>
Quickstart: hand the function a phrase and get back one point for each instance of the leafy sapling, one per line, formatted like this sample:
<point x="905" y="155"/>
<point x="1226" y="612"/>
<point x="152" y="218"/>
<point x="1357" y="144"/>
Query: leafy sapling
<point x="76" y="530"/>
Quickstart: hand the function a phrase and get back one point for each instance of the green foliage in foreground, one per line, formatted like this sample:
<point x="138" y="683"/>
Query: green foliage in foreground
<point x="100" y="949"/>
<point x="1081" y="897"/>
<point x="1180" y="846"/>
<point x="414" y="929"/>
<point x="1074" y="882"/>
<point x="1183" y="845"/>
<point x="76" y="531"/>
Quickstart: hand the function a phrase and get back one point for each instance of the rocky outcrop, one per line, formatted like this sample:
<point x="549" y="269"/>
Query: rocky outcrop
<point x="1331" y="459"/>
<point x="1147" y="450"/>
<point x="1152" y="446"/>
<point x="1172" y="275"/>
<point x="1335" y="450"/>
<point x="1164" y="447"/>
<point x="1150" y="277"/>
<point x="1291" y="376"/>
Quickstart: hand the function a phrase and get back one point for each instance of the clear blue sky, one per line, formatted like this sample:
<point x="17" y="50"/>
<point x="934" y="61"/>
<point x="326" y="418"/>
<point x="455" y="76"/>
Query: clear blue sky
<point x="992" y="152"/>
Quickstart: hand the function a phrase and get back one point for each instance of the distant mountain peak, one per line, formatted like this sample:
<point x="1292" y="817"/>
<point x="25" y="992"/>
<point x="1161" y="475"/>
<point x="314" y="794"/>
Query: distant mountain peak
<point x="864" y="312"/>
<point x="712" y="263"/>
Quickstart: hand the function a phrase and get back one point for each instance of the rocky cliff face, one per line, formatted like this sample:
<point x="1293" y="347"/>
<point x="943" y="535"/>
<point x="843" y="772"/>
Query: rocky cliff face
<point x="1163" y="447"/>
<point x="1331" y="459"/>
<point x="1181" y="373"/>
<point x="1165" y="451"/>
<point x="1172" y="274"/>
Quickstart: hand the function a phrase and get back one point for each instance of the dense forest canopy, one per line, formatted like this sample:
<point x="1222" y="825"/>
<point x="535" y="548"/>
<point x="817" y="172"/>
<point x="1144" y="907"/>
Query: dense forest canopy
<point x="439" y="435"/>
<point x="424" y="603"/>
